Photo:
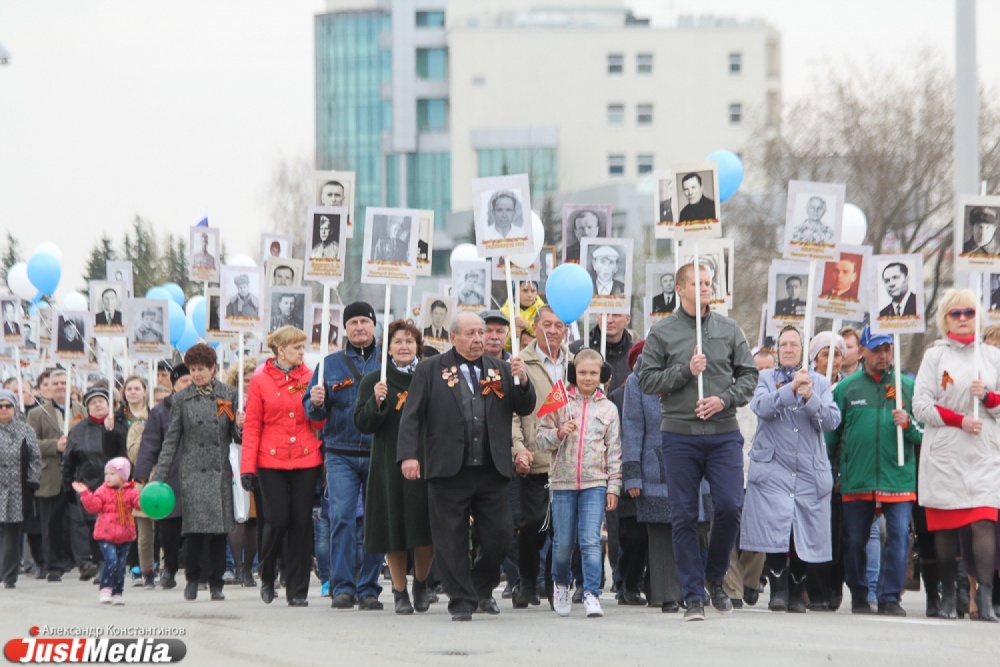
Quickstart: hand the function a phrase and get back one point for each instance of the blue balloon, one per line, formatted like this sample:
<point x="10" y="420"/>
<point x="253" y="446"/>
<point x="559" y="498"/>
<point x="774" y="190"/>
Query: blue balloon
<point x="176" y="293"/>
<point x="159" y="293"/>
<point x="730" y="172"/>
<point x="44" y="272"/>
<point x="188" y="336"/>
<point x="177" y="321"/>
<point x="569" y="290"/>
<point x="198" y="318"/>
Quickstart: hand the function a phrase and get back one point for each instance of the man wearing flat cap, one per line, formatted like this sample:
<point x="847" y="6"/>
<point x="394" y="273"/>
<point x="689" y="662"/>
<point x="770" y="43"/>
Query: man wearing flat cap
<point x="983" y="241"/>
<point x="603" y="267"/>
<point x="244" y="304"/>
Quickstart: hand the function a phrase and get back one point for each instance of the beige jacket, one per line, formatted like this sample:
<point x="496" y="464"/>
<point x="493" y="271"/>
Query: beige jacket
<point x="47" y="421"/>
<point x="525" y="429"/>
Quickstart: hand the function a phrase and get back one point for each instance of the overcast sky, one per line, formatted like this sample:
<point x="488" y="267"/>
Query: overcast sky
<point x="172" y="109"/>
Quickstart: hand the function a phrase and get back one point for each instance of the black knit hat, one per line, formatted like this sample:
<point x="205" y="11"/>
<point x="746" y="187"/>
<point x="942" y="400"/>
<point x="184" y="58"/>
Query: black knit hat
<point x="177" y="372"/>
<point x="359" y="309"/>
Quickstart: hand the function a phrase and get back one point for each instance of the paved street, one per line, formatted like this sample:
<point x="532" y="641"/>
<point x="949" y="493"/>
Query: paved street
<point x="243" y="631"/>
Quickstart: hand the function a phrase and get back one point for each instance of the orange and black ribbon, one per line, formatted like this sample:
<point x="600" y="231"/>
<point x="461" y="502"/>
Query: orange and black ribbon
<point x="297" y="387"/>
<point x="401" y="399"/>
<point x="890" y="391"/>
<point x="225" y="408"/>
<point x="342" y="385"/>
<point x="946" y="380"/>
<point x="491" y="385"/>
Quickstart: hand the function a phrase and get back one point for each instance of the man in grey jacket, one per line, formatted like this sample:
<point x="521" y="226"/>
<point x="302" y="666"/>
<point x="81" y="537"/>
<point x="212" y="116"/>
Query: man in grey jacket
<point x="701" y="437"/>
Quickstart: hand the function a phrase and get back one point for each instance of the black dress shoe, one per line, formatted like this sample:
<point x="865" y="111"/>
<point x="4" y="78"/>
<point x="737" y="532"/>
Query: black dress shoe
<point x="421" y="596"/>
<point x="54" y="576"/>
<point x="401" y="600"/>
<point x="508" y="591"/>
<point x="298" y="602"/>
<point x="343" y="601"/>
<point x="217" y="593"/>
<point x="488" y="606"/>
<point x="631" y="598"/>
<point x="462" y="616"/>
<point x="266" y="592"/>
<point x="750" y="595"/>
<point x="670" y="607"/>
<point x="191" y="590"/>
<point x="521" y="598"/>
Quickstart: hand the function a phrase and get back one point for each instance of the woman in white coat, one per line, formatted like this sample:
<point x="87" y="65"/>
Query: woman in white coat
<point x="959" y="479"/>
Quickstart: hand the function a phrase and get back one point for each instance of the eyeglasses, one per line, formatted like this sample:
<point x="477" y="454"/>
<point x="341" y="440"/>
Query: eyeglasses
<point x="6" y="406"/>
<point x="959" y="313"/>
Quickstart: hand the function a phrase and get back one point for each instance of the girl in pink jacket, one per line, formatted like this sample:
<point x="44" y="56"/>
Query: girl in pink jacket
<point x="114" y="531"/>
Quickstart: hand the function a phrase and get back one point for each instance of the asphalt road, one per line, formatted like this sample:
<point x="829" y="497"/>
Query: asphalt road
<point x="242" y="630"/>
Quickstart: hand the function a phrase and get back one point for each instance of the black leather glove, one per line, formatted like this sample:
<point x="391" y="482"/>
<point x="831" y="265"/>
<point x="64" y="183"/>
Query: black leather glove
<point x="31" y="486"/>
<point x="246" y="481"/>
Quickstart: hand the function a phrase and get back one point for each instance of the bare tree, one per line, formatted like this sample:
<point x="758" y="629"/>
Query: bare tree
<point x="289" y="195"/>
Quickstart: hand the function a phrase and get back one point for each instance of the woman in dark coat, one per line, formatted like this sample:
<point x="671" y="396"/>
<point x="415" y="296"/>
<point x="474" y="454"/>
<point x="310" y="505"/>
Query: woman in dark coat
<point x="203" y="423"/>
<point x="395" y="508"/>
<point x="17" y="440"/>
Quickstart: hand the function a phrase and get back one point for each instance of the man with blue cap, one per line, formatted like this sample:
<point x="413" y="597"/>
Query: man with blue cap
<point x="865" y="466"/>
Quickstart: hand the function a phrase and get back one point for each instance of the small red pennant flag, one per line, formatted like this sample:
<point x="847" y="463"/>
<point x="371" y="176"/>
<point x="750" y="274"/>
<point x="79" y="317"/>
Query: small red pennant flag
<point x="556" y="399"/>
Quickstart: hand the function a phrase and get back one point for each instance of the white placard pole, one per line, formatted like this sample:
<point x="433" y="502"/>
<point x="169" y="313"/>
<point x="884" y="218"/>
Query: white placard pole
<point x="604" y="335"/>
<point x="20" y="389"/>
<point x="978" y="342"/>
<point x="899" y="396"/>
<point x="69" y="399"/>
<point x="807" y="325"/>
<point x="514" y="342"/>
<point x="111" y="375"/>
<point x="239" y="360"/>
<point x="697" y="318"/>
<point x="324" y="334"/>
<point x="409" y="303"/>
<point x="837" y="323"/>
<point x="151" y="374"/>
<point x="385" y="330"/>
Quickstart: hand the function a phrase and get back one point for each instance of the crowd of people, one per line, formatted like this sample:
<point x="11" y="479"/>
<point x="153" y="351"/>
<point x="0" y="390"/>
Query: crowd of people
<point x="715" y="471"/>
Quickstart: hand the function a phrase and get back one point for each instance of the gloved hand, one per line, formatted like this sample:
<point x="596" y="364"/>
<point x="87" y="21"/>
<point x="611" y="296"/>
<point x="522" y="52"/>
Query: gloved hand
<point x="31" y="486"/>
<point x="246" y="481"/>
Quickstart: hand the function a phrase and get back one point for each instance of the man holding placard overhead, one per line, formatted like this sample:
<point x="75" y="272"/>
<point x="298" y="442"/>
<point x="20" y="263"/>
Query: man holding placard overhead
<point x="701" y="438"/>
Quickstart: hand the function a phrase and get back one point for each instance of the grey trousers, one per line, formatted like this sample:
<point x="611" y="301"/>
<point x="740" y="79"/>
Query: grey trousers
<point x="664" y="581"/>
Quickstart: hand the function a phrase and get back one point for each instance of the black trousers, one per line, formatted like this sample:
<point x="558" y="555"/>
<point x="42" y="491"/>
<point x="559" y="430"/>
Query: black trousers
<point x="479" y="492"/>
<point x="287" y="518"/>
<point x="530" y="538"/>
<point x="81" y="535"/>
<point x="169" y="533"/>
<point x="194" y="546"/>
<point x="52" y="513"/>
<point x="633" y="540"/>
<point x="10" y="551"/>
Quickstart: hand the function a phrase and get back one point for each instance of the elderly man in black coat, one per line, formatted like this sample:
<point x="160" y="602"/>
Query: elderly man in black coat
<point x="460" y="406"/>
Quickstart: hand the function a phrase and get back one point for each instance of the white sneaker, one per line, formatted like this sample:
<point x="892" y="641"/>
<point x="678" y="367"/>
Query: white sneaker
<point x="105" y="596"/>
<point x="592" y="605"/>
<point x="561" y="600"/>
<point x="117" y="600"/>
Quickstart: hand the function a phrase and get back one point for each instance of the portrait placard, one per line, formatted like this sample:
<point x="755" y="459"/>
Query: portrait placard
<point x="991" y="298"/>
<point x="336" y="189"/>
<point x="663" y="205"/>
<point x="583" y="221"/>
<point x="241" y="299"/>
<point x="275" y="245"/>
<point x="501" y="209"/>
<point x="335" y="338"/>
<point x="71" y="329"/>
<point x="149" y="328"/>
<point x="121" y="272"/>
<point x="814" y="215"/>
<point x="787" y="291"/>
<point x="204" y="259"/>
<point x="44" y="329"/>
<point x="283" y="272"/>
<point x="609" y="263"/>
<point x="471" y="286"/>
<point x="326" y="237"/>
<point x="213" y="310"/>
<point x="425" y="242"/>
<point x="106" y="299"/>
<point x="517" y="273"/>
<point x="390" y="248"/>
<point x="288" y="306"/>
<point x="980" y="249"/>
<point x="696" y="201"/>
<point x="13" y="316"/>
<point x="436" y="311"/>
<point x="661" y="293"/>
<point x="546" y="265"/>
<point x="841" y="289"/>
<point x="897" y="294"/>
<point x="764" y="341"/>
<point x="716" y="256"/>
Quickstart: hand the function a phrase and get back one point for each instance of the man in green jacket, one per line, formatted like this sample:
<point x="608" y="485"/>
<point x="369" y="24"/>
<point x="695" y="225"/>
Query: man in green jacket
<point x="863" y="451"/>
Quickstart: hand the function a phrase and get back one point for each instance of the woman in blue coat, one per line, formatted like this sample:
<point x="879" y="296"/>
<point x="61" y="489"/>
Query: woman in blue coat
<point x="786" y="513"/>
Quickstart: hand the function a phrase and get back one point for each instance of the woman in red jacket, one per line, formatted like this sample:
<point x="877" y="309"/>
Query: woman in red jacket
<point x="280" y="449"/>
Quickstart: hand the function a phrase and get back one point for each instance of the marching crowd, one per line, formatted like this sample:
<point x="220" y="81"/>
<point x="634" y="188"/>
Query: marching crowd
<point x="704" y="474"/>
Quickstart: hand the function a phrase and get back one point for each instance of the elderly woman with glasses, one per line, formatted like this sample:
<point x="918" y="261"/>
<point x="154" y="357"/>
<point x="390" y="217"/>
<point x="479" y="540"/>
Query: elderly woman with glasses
<point x="959" y="473"/>
<point x="20" y="473"/>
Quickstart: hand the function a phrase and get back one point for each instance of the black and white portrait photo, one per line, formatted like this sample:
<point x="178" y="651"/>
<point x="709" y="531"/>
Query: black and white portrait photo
<point x="334" y="316"/>
<point x="204" y="265"/>
<point x="897" y="296"/>
<point x="696" y="197"/>
<point x="979" y="242"/>
<point x="609" y="263"/>
<point x="436" y="312"/>
<point x="502" y="215"/>
<point x="149" y="328"/>
<point x="325" y="234"/>
<point x="897" y="302"/>
<point x="287" y="307"/>
<point x="389" y="253"/>
<point x="991" y="290"/>
<point x="336" y="189"/>
<point x="70" y="332"/>
<point x="213" y="326"/>
<point x="792" y="291"/>
<point x="391" y="238"/>
<point x="546" y="265"/>
<point x="813" y="220"/>
<point x="787" y="294"/>
<point x="471" y="288"/>
<point x="241" y="298"/>
<point x="283" y="272"/>
<point x="662" y="285"/>
<point x="106" y="302"/>
<point x="583" y="222"/>
<point x="13" y="328"/>
<point x="121" y="272"/>
<point x="275" y="245"/>
<point x="425" y="242"/>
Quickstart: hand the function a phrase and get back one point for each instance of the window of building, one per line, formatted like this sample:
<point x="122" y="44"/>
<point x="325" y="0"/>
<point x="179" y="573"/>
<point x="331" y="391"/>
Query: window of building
<point x="432" y="115"/>
<point x="616" y="165"/>
<point x="735" y="62"/>
<point x="616" y="64"/>
<point x="432" y="64"/>
<point x="644" y="115"/>
<point x="430" y="19"/>
<point x="644" y="64"/>
<point x="735" y="114"/>
<point x="616" y="115"/>
<point x="644" y="164"/>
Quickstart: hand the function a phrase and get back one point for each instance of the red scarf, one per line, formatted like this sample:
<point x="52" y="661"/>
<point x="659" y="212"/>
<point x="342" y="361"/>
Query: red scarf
<point x="964" y="340"/>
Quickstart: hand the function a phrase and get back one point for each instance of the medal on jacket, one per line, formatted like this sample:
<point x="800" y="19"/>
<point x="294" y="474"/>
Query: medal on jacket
<point x="492" y="383"/>
<point x="946" y="380"/>
<point x="450" y="375"/>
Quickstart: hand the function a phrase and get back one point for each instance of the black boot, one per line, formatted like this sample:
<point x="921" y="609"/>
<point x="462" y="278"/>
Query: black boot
<point x="984" y="600"/>
<point x="779" y="589"/>
<point x="948" y="604"/>
<point x="191" y="590"/>
<point x="932" y="584"/>
<point x="402" y="600"/>
<point x="796" y="604"/>
<point x="421" y="595"/>
<point x="964" y="595"/>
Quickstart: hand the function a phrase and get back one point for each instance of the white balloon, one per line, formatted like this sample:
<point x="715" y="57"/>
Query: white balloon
<point x="49" y="248"/>
<point x="463" y="252"/>
<point x="191" y="303"/>
<point x="855" y="225"/>
<point x="538" y="234"/>
<point x="19" y="283"/>
<point x="241" y="260"/>
<point x="74" y="301"/>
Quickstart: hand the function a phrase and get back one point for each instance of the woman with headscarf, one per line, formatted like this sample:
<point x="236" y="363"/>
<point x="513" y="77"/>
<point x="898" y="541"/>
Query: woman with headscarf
<point x="528" y="303"/>
<point x="20" y="474"/>
<point x="786" y="513"/>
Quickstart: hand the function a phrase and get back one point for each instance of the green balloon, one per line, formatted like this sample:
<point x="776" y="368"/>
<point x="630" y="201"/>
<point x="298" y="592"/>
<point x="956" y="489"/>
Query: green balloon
<point x="157" y="500"/>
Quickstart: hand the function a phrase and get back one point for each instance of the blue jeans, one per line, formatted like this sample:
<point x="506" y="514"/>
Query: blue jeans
<point x="858" y="516"/>
<point x="321" y="537"/>
<point x="873" y="550"/>
<point x="577" y="515"/>
<point x="113" y="568"/>
<point x="719" y="459"/>
<point x="346" y="479"/>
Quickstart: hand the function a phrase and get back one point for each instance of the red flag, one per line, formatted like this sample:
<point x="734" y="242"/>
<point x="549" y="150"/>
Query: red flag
<point x="556" y="399"/>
